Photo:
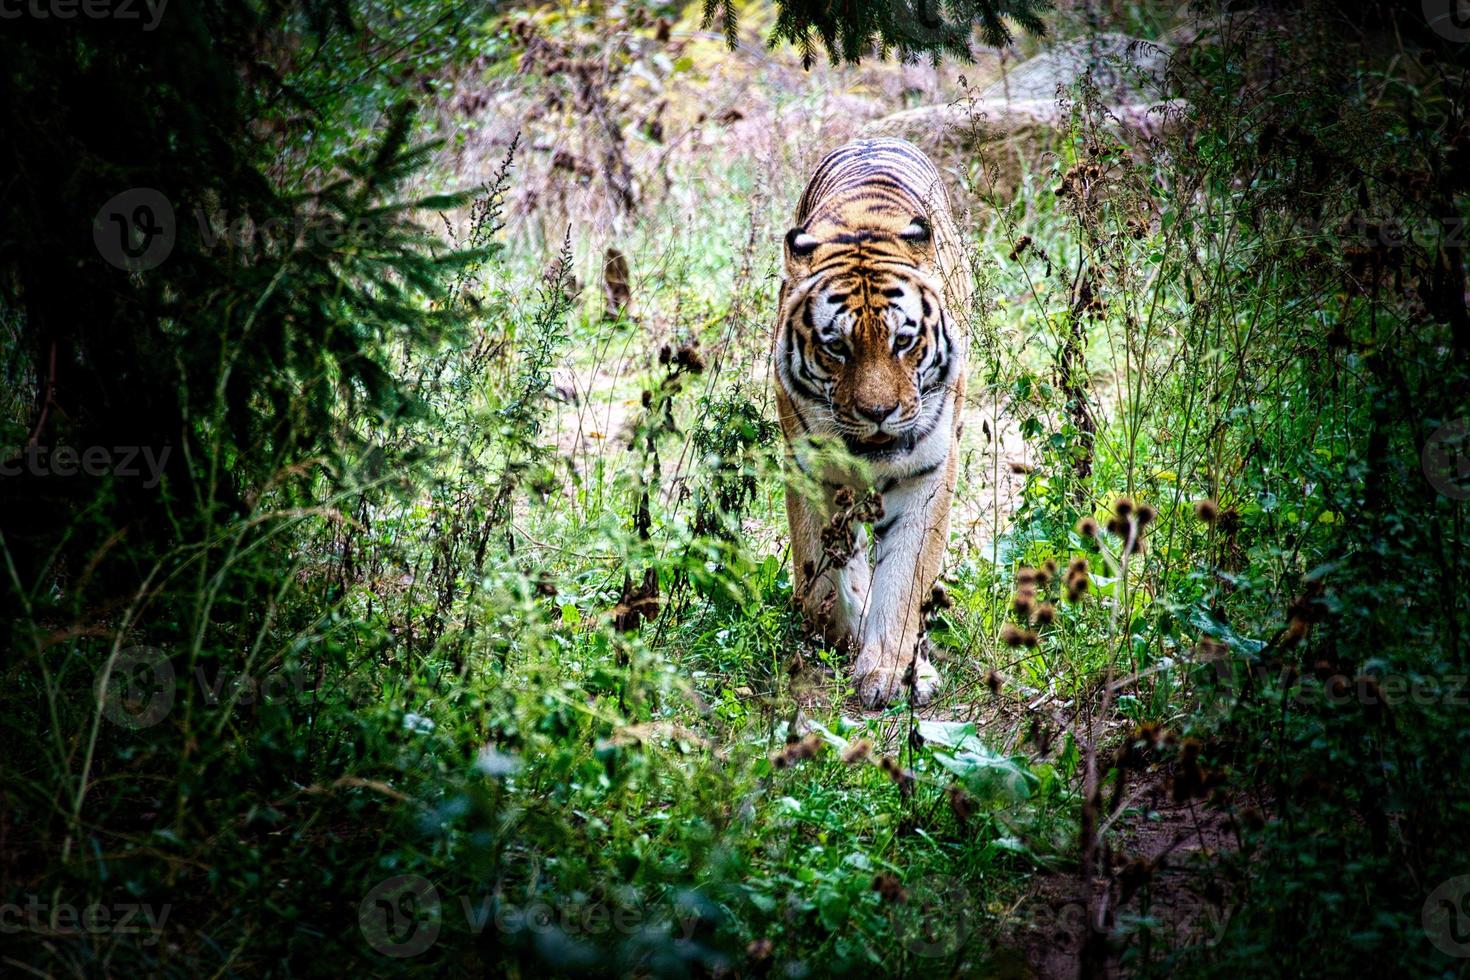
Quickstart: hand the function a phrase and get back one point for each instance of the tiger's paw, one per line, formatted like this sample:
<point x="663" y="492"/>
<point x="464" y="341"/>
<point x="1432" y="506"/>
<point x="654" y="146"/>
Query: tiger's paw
<point x="884" y="685"/>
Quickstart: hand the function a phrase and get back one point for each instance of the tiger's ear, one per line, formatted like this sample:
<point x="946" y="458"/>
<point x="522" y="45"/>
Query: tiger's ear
<point x="799" y="247"/>
<point x="918" y="231"/>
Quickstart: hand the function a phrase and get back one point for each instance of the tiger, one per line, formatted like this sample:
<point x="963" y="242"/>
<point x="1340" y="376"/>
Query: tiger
<point x="868" y="349"/>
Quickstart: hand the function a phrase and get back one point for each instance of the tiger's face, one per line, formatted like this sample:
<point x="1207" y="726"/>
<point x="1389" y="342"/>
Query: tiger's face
<point x="867" y="344"/>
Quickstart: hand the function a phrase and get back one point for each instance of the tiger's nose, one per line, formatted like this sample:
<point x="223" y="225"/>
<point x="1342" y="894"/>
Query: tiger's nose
<point x="876" y="413"/>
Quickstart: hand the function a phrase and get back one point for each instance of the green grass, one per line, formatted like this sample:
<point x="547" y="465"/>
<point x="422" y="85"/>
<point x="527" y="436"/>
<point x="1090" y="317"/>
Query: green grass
<point x="436" y="696"/>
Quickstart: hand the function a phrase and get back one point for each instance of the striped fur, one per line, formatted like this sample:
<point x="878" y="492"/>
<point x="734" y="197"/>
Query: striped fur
<point x="869" y="347"/>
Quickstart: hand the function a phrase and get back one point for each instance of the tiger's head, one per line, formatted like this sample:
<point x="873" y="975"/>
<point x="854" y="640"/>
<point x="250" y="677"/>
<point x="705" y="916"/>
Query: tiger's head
<point x="868" y="347"/>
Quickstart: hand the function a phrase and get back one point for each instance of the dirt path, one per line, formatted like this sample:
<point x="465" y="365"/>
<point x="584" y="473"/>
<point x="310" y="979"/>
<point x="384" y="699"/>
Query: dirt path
<point x="1162" y="870"/>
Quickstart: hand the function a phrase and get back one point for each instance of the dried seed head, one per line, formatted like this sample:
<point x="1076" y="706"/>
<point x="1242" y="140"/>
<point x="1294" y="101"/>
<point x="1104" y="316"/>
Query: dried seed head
<point x="1012" y="636"/>
<point x="1078" y="579"/>
<point x="994" y="680"/>
<point x="1308" y="607"/>
<point x="960" y="803"/>
<point x="843" y="497"/>
<point x="901" y="776"/>
<point x="857" y="751"/>
<point x="889" y="888"/>
<point x="1207" y="510"/>
<point x="869" y="509"/>
<point x="797" y="750"/>
<point x="938" y="599"/>
<point x="1023" y="602"/>
<point x="824" y="609"/>
<point x="1149" y="732"/>
<point x="1045" y="614"/>
<point x="1040" y="736"/>
<point x="1123" y="507"/>
<point x="1208" y="649"/>
<point x="1087" y="528"/>
<point x="689" y="357"/>
<point x="1146" y="514"/>
<point x="809" y="747"/>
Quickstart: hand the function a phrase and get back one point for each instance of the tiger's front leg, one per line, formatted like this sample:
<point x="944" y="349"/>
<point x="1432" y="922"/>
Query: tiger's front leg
<point x="908" y="554"/>
<point x="832" y="593"/>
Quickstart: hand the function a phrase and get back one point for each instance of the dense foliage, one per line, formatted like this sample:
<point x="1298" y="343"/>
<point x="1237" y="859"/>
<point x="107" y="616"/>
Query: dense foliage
<point x="379" y="595"/>
<point x="906" y="27"/>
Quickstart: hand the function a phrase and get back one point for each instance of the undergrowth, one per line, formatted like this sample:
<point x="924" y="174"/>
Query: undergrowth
<point x="504" y="673"/>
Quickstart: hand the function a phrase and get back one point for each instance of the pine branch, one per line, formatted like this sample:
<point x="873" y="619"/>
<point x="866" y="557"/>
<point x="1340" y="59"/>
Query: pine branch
<point x="857" y="28"/>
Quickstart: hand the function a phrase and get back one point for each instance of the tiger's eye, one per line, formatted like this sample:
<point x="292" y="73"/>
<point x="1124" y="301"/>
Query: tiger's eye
<point x="903" y="344"/>
<point x="837" y="347"/>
